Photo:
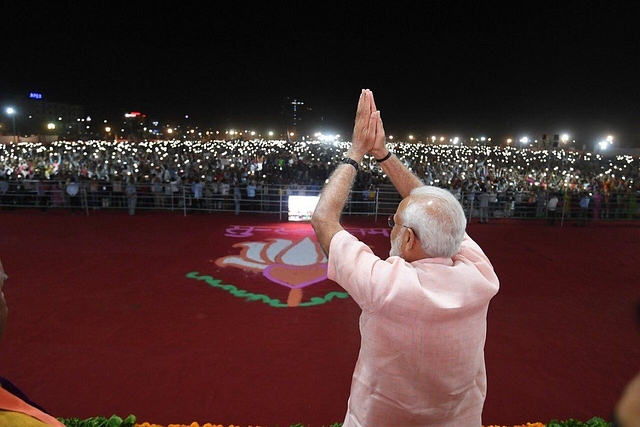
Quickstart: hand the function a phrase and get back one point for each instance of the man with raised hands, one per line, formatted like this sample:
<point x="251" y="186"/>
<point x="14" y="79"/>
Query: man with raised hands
<point x="424" y="308"/>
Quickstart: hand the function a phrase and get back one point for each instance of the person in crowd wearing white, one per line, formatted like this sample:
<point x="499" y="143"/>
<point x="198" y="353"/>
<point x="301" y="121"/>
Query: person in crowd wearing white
<point x="483" y="205"/>
<point x="552" y="205"/>
<point x="196" y="188"/>
<point x="251" y="194"/>
<point x="73" y="188"/>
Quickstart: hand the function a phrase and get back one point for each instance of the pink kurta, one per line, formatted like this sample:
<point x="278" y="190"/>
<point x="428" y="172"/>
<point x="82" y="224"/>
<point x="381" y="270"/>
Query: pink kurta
<point x="423" y="328"/>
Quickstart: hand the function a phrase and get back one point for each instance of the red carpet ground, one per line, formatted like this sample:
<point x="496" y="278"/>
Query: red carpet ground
<point x="224" y="319"/>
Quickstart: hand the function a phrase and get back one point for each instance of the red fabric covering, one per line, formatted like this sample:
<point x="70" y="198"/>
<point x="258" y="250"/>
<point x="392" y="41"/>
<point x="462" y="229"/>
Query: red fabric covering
<point x="103" y="319"/>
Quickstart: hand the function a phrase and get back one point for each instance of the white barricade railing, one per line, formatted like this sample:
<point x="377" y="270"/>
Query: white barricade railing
<point x="273" y="200"/>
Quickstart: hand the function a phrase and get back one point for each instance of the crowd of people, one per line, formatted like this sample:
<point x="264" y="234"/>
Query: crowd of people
<point x="516" y="181"/>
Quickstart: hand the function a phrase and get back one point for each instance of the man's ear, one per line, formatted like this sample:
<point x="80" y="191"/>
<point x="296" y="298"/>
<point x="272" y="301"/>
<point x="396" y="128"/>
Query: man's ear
<point x="409" y="239"/>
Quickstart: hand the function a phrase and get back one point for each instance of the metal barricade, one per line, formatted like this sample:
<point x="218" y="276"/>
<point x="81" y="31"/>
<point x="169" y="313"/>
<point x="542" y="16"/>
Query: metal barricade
<point x="272" y="199"/>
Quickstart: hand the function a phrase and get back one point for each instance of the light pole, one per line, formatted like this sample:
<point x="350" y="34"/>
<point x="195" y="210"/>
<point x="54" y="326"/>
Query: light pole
<point x="12" y="113"/>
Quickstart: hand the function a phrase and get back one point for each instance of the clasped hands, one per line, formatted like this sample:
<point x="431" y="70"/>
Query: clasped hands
<point x="368" y="132"/>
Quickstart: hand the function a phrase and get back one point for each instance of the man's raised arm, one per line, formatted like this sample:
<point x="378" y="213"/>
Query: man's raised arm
<point x="326" y="217"/>
<point x="401" y="177"/>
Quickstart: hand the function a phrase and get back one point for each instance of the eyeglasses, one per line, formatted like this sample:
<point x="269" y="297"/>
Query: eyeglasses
<point x="391" y="220"/>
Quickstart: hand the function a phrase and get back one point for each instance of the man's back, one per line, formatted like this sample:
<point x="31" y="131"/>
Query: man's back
<point x="423" y="329"/>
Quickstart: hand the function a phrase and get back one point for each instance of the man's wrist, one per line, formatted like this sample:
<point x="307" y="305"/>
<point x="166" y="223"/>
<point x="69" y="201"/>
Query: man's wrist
<point x="354" y="154"/>
<point x="383" y="158"/>
<point x="350" y="161"/>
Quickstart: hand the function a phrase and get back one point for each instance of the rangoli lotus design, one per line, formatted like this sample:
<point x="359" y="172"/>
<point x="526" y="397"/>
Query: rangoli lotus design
<point x="294" y="264"/>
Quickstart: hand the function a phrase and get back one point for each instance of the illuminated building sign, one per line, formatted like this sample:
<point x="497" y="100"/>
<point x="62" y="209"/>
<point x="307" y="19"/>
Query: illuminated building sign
<point x="35" y="95"/>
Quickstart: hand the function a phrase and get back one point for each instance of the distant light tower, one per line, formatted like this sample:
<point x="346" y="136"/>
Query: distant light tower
<point x="12" y="113"/>
<point x="295" y="104"/>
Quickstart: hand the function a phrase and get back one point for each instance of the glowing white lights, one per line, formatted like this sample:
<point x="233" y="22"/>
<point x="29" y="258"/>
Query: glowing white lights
<point x="606" y="142"/>
<point x="435" y="163"/>
<point x="326" y="138"/>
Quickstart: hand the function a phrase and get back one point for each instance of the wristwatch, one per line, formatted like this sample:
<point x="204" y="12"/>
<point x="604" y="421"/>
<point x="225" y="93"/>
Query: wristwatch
<point x="350" y="161"/>
<point x="389" y="153"/>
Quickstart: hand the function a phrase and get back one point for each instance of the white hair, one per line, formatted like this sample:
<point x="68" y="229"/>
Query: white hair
<point x="438" y="220"/>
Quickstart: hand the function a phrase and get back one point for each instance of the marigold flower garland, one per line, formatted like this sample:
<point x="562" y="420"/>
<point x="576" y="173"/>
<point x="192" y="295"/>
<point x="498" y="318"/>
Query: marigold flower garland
<point x="130" y="421"/>
<point x="194" y="424"/>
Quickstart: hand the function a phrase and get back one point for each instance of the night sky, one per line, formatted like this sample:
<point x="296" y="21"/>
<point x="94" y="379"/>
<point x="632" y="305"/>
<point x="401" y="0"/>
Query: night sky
<point x="436" y="68"/>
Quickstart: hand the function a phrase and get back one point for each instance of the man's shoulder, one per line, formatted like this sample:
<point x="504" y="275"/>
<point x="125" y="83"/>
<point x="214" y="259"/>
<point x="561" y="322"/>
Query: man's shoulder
<point x="342" y="244"/>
